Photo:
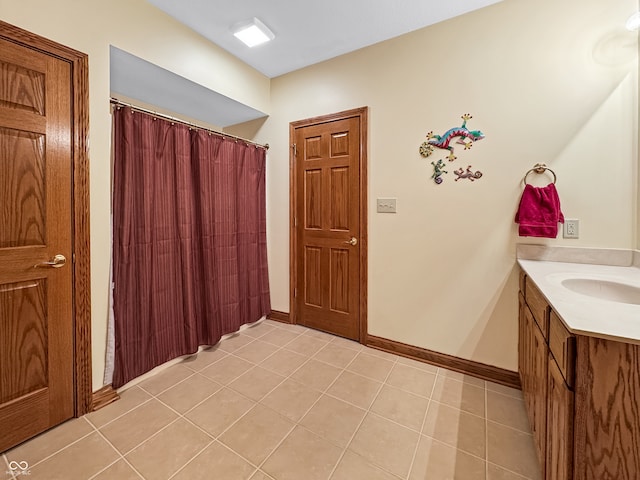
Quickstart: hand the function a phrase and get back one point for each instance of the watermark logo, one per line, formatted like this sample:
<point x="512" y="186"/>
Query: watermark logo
<point x="18" y="468"/>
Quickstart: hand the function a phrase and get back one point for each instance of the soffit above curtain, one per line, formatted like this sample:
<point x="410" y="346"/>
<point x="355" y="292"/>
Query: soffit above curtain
<point x="137" y="79"/>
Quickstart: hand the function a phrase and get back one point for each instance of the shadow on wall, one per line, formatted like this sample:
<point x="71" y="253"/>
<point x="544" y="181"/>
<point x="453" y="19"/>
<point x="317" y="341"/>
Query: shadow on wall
<point x="247" y="129"/>
<point x="497" y="320"/>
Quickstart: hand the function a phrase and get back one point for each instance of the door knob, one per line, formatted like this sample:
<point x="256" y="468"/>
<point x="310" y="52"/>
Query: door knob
<point x="352" y="241"/>
<point x="56" y="262"/>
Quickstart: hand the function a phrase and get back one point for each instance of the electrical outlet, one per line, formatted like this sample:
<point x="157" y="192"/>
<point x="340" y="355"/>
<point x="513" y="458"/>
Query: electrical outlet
<point x="386" y="205"/>
<point x="571" y="228"/>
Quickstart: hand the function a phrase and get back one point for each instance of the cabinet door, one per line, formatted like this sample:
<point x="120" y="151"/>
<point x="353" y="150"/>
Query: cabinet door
<point x="525" y="357"/>
<point x="559" y="426"/>
<point x="540" y="360"/>
<point x="522" y="341"/>
<point x="532" y="356"/>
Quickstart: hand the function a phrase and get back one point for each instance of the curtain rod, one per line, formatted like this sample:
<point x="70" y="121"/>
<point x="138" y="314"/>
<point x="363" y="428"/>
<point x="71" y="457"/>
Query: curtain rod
<point x="115" y="101"/>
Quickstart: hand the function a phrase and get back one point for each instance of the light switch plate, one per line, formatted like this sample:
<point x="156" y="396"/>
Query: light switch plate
<point x="386" y="205"/>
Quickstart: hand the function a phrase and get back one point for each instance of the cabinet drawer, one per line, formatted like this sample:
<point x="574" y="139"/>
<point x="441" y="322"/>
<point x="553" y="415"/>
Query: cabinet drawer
<point x="563" y="347"/>
<point x="538" y="306"/>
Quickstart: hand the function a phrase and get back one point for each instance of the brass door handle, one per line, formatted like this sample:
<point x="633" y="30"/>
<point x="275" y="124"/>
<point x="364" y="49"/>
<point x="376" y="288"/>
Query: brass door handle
<point x="56" y="262"/>
<point x="352" y="241"/>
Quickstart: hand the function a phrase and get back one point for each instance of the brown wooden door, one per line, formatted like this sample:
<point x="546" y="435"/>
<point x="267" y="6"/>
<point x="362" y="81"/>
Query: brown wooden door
<point x="559" y="463"/>
<point x="328" y="213"/>
<point x="36" y="313"/>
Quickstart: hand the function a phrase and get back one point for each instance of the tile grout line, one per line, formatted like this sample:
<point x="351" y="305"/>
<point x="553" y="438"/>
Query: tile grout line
<point x="322" y="392"/>
<point x="519" y="475"/>
<point x="510" y="427"/>
<point x="96" y="429"/>
<point x="232" y="353"/>
<point x="6" y="462"/>
<point x="442" y="442"/>
<point x="266" y="459"/>
<point x="147" y="400"/>
<point x="424" y="419"/>
<point x="215" y="438"/>
<point x="456" y="378"/>
<point x="367" y="411"/>
<point x="258" y="403"/>
<point x="122" y="457"/>
<point x="334" y="341"/>
<point x="222" y="386"/>
<point x="66" y="446"/>
<point x="326" y="389"/>
<point x="155" y="434"/>
<point x="141" y="387"/>
<point x="476" y="415"/>
<point x="285" y="378"/>
<point x="242" y="416"/>
<point x="179" y="416"/>
<point x="509" y="395"/>
<point x="486" y="432"/>
<point x="154" y="396"/>
<point x="192" y="459"/>
<point x="297" y="423"/>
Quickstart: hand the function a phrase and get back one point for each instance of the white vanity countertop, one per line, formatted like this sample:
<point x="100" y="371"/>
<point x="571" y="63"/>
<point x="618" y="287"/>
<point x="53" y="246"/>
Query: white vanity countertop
<point x="585" y="314"/>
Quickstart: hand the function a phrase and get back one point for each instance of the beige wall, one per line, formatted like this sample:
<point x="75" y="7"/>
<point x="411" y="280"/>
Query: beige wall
<point x="636" y="126"/>
<point x="142" y="30"/>
<point x="546" y="81"/>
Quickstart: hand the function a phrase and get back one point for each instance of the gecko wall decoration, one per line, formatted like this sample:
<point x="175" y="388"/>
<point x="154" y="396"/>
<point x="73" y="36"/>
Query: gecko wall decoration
<point x="465" y="137"/>
<point x="468" y="174"/>
<point x="438" y="170"/>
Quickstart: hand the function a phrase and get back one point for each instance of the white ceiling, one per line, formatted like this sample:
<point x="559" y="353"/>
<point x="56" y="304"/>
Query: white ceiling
<point x="309" y="32"/>
<point x="306" y="32"/>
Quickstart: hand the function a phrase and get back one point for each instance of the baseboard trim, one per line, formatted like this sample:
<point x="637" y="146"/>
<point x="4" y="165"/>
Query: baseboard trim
<point x="450" y="362"/>
<point x="278" y="316"/>
<point x="103" y="397"/>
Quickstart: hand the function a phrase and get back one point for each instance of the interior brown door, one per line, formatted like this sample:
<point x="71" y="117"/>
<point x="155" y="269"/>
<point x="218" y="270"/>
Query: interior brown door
<point x="36" y="302"/>
<point x="329" y="231"/>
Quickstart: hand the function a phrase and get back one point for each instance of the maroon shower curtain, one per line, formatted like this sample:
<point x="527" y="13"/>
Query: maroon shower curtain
<point x="189" y="241"/>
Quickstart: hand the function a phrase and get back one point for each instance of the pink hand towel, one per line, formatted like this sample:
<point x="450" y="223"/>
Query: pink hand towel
<point x="539" y="212"/>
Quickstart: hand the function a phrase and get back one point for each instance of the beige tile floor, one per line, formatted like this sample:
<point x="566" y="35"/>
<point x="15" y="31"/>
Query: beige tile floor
<point x="283" y="402"/>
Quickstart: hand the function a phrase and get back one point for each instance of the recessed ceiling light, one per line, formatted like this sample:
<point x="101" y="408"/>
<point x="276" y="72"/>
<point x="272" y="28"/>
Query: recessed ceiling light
<point x="253" y="33"/>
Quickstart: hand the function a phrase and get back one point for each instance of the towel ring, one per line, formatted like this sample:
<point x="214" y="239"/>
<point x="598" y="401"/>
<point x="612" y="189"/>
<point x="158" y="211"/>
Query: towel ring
<point x="539" y="168"/>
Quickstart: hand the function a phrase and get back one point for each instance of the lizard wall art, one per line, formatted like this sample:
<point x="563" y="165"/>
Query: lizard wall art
<point x="438" y="170"/>
<point x="464" y="137"/>
<point x="468" y="174"/>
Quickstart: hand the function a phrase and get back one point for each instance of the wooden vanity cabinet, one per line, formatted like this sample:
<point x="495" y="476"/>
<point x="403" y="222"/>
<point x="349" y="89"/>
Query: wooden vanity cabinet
<point x="533" y="352"/>
<point x="549" y="399"/>
<point x="559" y="441"/>
<point x="582" y="396"/>
<point x="607" y="410"/>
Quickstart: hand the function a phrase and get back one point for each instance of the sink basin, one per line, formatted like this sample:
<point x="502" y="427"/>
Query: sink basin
<point x="604" y="290"/>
